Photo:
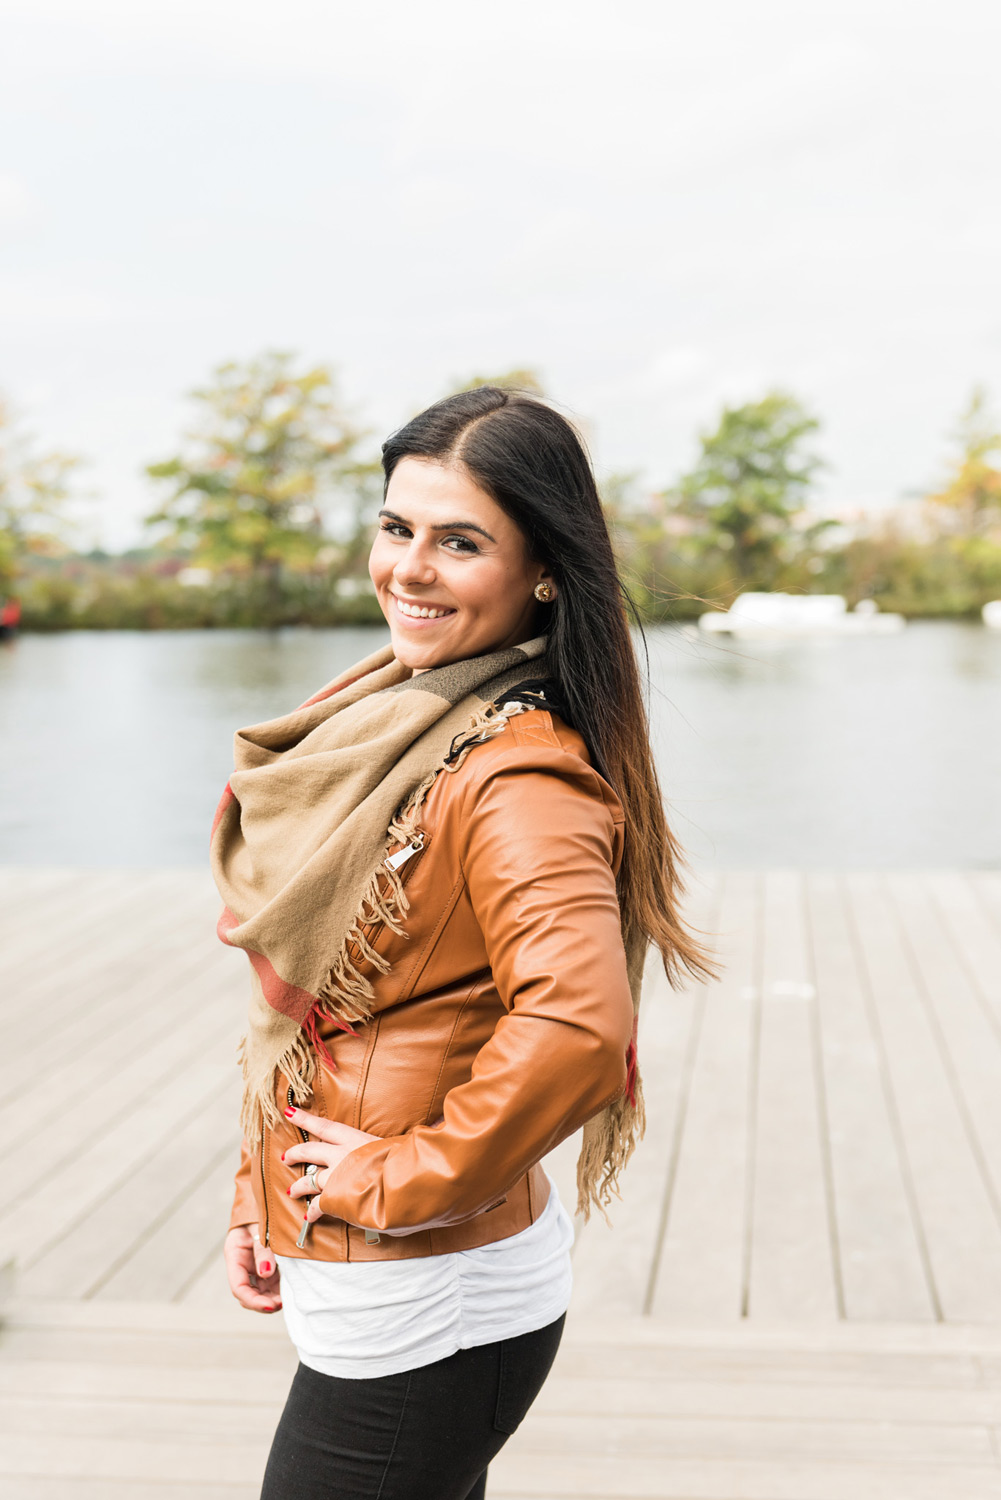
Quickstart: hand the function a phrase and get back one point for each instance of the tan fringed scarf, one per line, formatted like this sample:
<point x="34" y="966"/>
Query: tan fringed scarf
<point x="315" y="803"/>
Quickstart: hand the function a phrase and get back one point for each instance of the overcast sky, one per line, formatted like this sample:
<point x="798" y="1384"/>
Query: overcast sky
<point x="660" y="206"/>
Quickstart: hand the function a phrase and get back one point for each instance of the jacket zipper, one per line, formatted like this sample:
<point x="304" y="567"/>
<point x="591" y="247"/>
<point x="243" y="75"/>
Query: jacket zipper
<point x="304" y="1137"/>
<point x="264" y="1185"/>
<point x="417" y="843"/>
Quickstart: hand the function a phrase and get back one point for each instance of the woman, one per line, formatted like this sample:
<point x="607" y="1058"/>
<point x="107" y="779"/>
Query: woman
<point x="445" y="868"/>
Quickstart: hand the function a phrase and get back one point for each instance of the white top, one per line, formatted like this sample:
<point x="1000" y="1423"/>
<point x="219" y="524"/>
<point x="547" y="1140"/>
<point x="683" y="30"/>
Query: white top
<point x="360" y="1319"/>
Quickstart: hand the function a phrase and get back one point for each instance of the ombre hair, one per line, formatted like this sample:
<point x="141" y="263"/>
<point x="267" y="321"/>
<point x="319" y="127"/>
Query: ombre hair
<point x="531" y="461"/>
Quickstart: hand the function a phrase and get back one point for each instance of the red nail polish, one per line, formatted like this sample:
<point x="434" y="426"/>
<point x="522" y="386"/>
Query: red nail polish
<point x="283" y="1156"/>
<point x="265" y="1268"/>
<point x="289" y="1113"/>
<point x="288" y="1192"/>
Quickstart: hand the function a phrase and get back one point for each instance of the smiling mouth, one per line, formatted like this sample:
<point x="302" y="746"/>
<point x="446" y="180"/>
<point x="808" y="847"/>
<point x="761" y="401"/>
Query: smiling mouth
<point x="421" y="611"/>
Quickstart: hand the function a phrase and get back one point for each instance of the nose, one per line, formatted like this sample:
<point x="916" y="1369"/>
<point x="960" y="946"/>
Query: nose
<point x="416" y="566"/>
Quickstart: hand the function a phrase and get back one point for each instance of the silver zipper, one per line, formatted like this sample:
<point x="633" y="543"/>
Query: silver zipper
<point x="394" y="861"/>
<point x="306" y="1226"/>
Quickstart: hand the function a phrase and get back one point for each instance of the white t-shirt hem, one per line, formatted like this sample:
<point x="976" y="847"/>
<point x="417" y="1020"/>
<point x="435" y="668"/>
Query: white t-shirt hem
<point x="348" y="1369"/>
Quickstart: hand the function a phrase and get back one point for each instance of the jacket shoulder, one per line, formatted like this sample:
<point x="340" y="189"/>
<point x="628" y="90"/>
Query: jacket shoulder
<point x="537" y="740"/>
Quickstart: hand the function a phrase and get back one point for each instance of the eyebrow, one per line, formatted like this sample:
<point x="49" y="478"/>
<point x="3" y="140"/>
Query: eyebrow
<point x="444" y="526"/>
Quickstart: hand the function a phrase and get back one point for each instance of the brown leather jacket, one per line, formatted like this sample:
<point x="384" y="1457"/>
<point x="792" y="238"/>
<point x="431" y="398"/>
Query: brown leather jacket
<point x="500" y="1028"/>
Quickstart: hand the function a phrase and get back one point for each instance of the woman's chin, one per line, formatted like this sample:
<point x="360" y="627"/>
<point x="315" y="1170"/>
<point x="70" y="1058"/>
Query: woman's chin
<point x="420" y="656"/>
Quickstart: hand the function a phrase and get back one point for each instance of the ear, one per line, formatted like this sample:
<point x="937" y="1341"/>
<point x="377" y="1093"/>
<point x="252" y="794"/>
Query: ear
<point x="546" y="577"/>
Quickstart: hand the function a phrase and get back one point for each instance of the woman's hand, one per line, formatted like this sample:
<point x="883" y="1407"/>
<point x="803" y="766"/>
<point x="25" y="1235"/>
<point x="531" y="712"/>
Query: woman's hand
<point x="331" y="1143"/>
<point x="252" y="1270"/>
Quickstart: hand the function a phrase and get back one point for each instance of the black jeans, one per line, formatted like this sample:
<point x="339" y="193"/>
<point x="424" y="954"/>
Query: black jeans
<point x="424" y="1434"/>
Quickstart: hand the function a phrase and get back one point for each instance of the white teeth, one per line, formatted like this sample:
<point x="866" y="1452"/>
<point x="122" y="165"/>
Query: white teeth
<point x="419" y="612"/>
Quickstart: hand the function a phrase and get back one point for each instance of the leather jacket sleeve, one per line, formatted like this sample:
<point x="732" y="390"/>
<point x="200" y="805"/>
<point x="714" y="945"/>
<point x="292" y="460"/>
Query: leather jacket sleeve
<point x="539" y="849"/>
<point x="245" y="1210"/>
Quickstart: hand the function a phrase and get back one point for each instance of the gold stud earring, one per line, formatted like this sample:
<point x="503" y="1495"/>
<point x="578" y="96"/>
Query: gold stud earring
<point x="544" y="592"/>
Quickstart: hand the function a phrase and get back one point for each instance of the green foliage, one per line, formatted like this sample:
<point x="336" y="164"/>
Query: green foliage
<point x="33" y="490"/>
<point x="271" y="496"/>
<point x="271" y="462"/>
<point x="751" y="481"/>
<point x="969" y="504"/>
<point x="119" y="594"/>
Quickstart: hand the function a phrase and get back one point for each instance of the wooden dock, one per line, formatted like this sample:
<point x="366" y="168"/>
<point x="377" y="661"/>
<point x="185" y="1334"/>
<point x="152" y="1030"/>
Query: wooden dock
<point x="800" y="1298"/>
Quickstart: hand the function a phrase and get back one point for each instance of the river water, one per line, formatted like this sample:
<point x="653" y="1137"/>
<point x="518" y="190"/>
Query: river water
<point x="833" y="754"/>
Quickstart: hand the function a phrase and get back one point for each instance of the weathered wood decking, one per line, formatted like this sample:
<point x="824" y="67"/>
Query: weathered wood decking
<point x="801" y="1296"/>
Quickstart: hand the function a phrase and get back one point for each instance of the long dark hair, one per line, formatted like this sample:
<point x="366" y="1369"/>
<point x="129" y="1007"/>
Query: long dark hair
<point x="529" y="458"/>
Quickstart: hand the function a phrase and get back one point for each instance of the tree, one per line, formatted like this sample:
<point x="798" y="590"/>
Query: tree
<point x="271" y="460"/>
<point x="34" y="488"/>
<point x="969" y="504"/>
<point x="751" y="481"/>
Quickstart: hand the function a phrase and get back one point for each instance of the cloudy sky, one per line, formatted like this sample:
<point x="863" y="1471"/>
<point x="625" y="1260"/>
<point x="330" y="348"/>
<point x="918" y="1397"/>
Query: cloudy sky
<point x="660" y="206"/>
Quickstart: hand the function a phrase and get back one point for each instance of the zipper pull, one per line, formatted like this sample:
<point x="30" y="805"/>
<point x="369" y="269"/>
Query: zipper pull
<point x="394" y="861"/>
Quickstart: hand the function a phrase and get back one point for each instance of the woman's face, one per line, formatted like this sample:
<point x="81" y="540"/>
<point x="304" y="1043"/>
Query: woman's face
<point x="450" y="568"/>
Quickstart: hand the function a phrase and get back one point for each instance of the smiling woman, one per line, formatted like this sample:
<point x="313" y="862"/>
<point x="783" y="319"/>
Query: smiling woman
<point x="445" y="867"/>
<point x="447" y="556"/>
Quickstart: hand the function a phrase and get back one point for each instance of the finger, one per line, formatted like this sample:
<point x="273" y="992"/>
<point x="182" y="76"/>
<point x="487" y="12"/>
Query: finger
<point x="249" y="1295"/>
<point x="302" y="1188"/>
<point x="305" y="1187"/>
<point x="332" y="1131"/>
<point x="315" y="1124"/>
<point x="318" y="1153"/>
<point x="264" y="1262"/>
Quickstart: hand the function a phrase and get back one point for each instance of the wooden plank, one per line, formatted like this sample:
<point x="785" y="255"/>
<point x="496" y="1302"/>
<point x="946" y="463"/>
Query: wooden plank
<point x="793" y="1264"/>
<point x="614" y="1263"/>
<point x="172" y="1257"/>
<point x="882" y="1257"/>
<point x="107" y="1163"/>
<point x="209" y="1287"/>
<point x="190" y="999"/>
<point x="976" y="939"/>
<point x="987" y="887"/>
<point x="967" y="1030"/>
<point x="147" y="1234"/>
<point x="104" y="911"/>
<point x="44" y="1487"/>
<point x="101" y="955"/>
<point x="184" y="1424"/>
<point x="103" y="994"/>
<point x="700" y="1274"/>
<point x="518" y="1473"/>
<point x="962" y="1234"/>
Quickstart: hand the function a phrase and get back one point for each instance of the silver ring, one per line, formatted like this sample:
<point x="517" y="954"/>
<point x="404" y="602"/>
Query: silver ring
<point x="311" y="1172"/>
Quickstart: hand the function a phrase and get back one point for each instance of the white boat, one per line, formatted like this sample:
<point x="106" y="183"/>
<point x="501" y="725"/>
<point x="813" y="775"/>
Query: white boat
<point x="991" y="614"/>
<point x="773" y="615"/>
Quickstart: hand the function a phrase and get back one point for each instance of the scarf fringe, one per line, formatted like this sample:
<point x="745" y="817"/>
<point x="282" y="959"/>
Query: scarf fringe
<point x="347" y="993"/>
<point x="298" y="1063"/>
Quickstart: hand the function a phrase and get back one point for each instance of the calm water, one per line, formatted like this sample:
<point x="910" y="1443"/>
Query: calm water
<point x="833" y="754"/>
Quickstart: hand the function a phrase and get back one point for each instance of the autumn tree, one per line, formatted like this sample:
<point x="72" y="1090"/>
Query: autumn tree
<point x="969" y="504"/>
<point x="270" y="464"/>
<point x="34" y="489"/>
<point x="750" y="483"/>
